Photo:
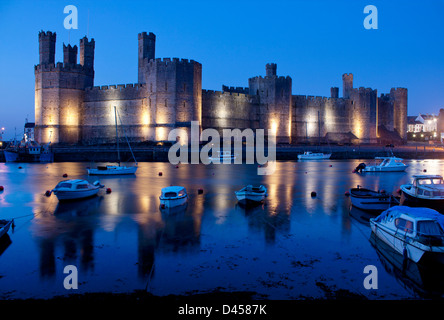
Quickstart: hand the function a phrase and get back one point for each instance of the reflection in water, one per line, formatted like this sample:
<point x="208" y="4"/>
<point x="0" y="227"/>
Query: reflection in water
<point x="122" y="240"/>
<point x="424" y="278"/>
<point x="5" y="242"/>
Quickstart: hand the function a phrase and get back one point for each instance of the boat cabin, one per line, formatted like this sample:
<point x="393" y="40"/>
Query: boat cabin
<point x="424" y="229"/>
<point x="173" y="192"/>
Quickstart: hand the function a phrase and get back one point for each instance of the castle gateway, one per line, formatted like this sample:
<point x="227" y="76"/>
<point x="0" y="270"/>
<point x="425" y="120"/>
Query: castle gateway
<point x="69" y="109"/>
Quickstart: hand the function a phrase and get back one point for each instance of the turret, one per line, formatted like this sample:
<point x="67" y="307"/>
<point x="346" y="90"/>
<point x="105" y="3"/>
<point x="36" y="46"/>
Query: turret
<point x="334" y="92"/>
<point x="147" y="52"/>
<point x="87" y="52"/>
<point x="69" y="54"/>
<point x="47" y="41"/>
<point x="270" y="69"/>
<point x="347" y="85"/>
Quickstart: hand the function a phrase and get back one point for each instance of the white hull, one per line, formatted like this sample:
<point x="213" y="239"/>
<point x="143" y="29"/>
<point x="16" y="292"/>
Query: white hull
<point x="170" y="203"/>
<point x="384" y="169"/>
<point x="72" y="195"/>
<point x="242" y="197"/>
<point x="398" y="241"/>
<point x="113" y="170"/>
<point x="314" y="156"/>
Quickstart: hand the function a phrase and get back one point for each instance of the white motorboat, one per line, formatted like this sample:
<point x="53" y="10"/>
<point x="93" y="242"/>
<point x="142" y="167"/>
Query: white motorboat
<point x="387" y="164"/>
<point x="370" y="200"/>
<point x="425" y="190"/>
<point x="251" y="194"/>
<point x="76" y="189"/>
<point x="4" y="226"/>
<point x="412" y="232"/>
<point x="111" y="169"/>
<point x="173" y="196"/>
<point x="308" y="155"/>
<point x="223" y="156"/>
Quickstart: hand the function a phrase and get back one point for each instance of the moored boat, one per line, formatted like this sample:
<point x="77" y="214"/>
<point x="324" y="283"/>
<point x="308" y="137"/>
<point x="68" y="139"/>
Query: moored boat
<point x="308" y="155"/>
<point x="4" y="226"/>
<point x="173" y="196"/>
<point x="387" y="164"/>
<point x="222" y="156"/>
<point x="370" y="200"/>
<point x="425" y="190"/>
<point x="111" y="169"/>
<point x="412" y="232"/>
<point x="76" y="189"/>
<point x="251" y="194"/>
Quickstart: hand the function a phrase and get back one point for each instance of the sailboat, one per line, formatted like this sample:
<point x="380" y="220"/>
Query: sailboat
<point x="112" y="169"/>
<point x="308" y="155"/>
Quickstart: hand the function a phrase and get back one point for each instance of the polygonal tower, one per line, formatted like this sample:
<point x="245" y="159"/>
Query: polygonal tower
<point x="275" y="99"/>
<point x="347" y="85"/>
<point x="147" y="52"/>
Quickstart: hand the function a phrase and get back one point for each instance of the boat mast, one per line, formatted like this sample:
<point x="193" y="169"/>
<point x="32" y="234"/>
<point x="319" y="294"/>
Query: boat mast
<point x="319" y="130"/>
<point x="117" y="136"/>
<point x="126" y="137"/>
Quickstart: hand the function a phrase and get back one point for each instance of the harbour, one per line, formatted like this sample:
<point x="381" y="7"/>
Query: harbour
<point x="294" y="246"/>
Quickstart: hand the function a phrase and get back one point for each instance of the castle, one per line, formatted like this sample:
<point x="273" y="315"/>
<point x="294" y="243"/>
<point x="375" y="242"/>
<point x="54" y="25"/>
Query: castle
<point x="69" y="109"/>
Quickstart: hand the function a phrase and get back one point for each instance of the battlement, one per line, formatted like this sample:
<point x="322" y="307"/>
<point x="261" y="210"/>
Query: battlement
<point x="59" y="67"/>
<point x="171" y="61"/>
<point x="316" y="99"/>
<point x="85" y="41"/>
<point x="223" y="93"/>
<point x="46" y="34"/>
<point x="144" y="35"/>
<point x="244" y="90"/>
<point x="135" y="86"/>
<point x="399" y="90"/>
<point x="280" y="78"/>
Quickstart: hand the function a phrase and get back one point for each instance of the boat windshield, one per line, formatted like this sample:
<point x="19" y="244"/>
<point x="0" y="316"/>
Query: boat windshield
<point x="82" y="186"/>
<point x="430" y="181"/>
<point x="64" y="185"/>
<point x="170" y="194"/>
<point x="430" y="228"/>
<point x="404" y="225"/>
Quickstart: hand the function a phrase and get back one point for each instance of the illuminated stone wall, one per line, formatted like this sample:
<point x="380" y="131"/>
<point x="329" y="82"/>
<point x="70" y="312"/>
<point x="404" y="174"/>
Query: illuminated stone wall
<point x="168" y="95"/>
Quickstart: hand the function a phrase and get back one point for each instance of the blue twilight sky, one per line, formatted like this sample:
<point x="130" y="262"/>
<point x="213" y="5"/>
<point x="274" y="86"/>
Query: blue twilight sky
<point x="314" y="42"/>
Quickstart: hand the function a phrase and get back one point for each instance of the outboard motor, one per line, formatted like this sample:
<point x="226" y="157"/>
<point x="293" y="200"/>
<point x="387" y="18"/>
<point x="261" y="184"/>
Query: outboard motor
<point x="360" y="167"/>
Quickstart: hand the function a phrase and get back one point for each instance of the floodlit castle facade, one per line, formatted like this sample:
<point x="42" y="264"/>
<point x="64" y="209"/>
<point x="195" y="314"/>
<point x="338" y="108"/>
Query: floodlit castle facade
<point x="69" y="109"/>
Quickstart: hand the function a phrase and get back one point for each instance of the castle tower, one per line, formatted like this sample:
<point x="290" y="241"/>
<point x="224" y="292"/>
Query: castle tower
<point x="59" y="90"/>
<point x="87" y="52"/>
<point x="69" y="54"/>
<point x="174" y="93"/>
<point x="275" y="98"/>
<point x="270" y="69"/>
<point x="47" y="41"/>
<point x="334" y="92"/>
<point x="87" y="59"/>
<point x="399" y="98"/>
<point x="147" y="50"/>
<point x="347" y="85"/>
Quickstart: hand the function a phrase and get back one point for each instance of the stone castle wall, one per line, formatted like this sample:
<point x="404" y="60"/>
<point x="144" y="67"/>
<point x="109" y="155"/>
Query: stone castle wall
<point x="70" y="109"/>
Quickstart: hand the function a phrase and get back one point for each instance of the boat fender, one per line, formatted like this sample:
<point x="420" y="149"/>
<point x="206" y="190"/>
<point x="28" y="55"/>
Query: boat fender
<point x="177" y="166"/>
<point x="2" y="188"/>
<point x="160" y="174"/>
<point x="48" y="193"/>
<point x="399" y="190"/>
<point x="200" y="191"/>
<point x="162" y="206"/>
<point x="108" y="190"/>
<point x="346" y="193"/>
<point x="313" y="194"/>
<point x="65" y="175"/>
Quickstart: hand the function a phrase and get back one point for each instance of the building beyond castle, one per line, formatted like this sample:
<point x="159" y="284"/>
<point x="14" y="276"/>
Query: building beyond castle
<point x="70" y="109"/>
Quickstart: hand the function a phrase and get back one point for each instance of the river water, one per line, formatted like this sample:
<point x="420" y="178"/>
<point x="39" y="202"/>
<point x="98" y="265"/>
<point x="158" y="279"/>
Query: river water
<point x="295" y="246"/>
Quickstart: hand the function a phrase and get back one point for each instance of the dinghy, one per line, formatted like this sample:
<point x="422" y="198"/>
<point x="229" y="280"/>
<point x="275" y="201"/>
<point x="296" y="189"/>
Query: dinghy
<point x="76" y="189"/>
<point x="251" y="194"/>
